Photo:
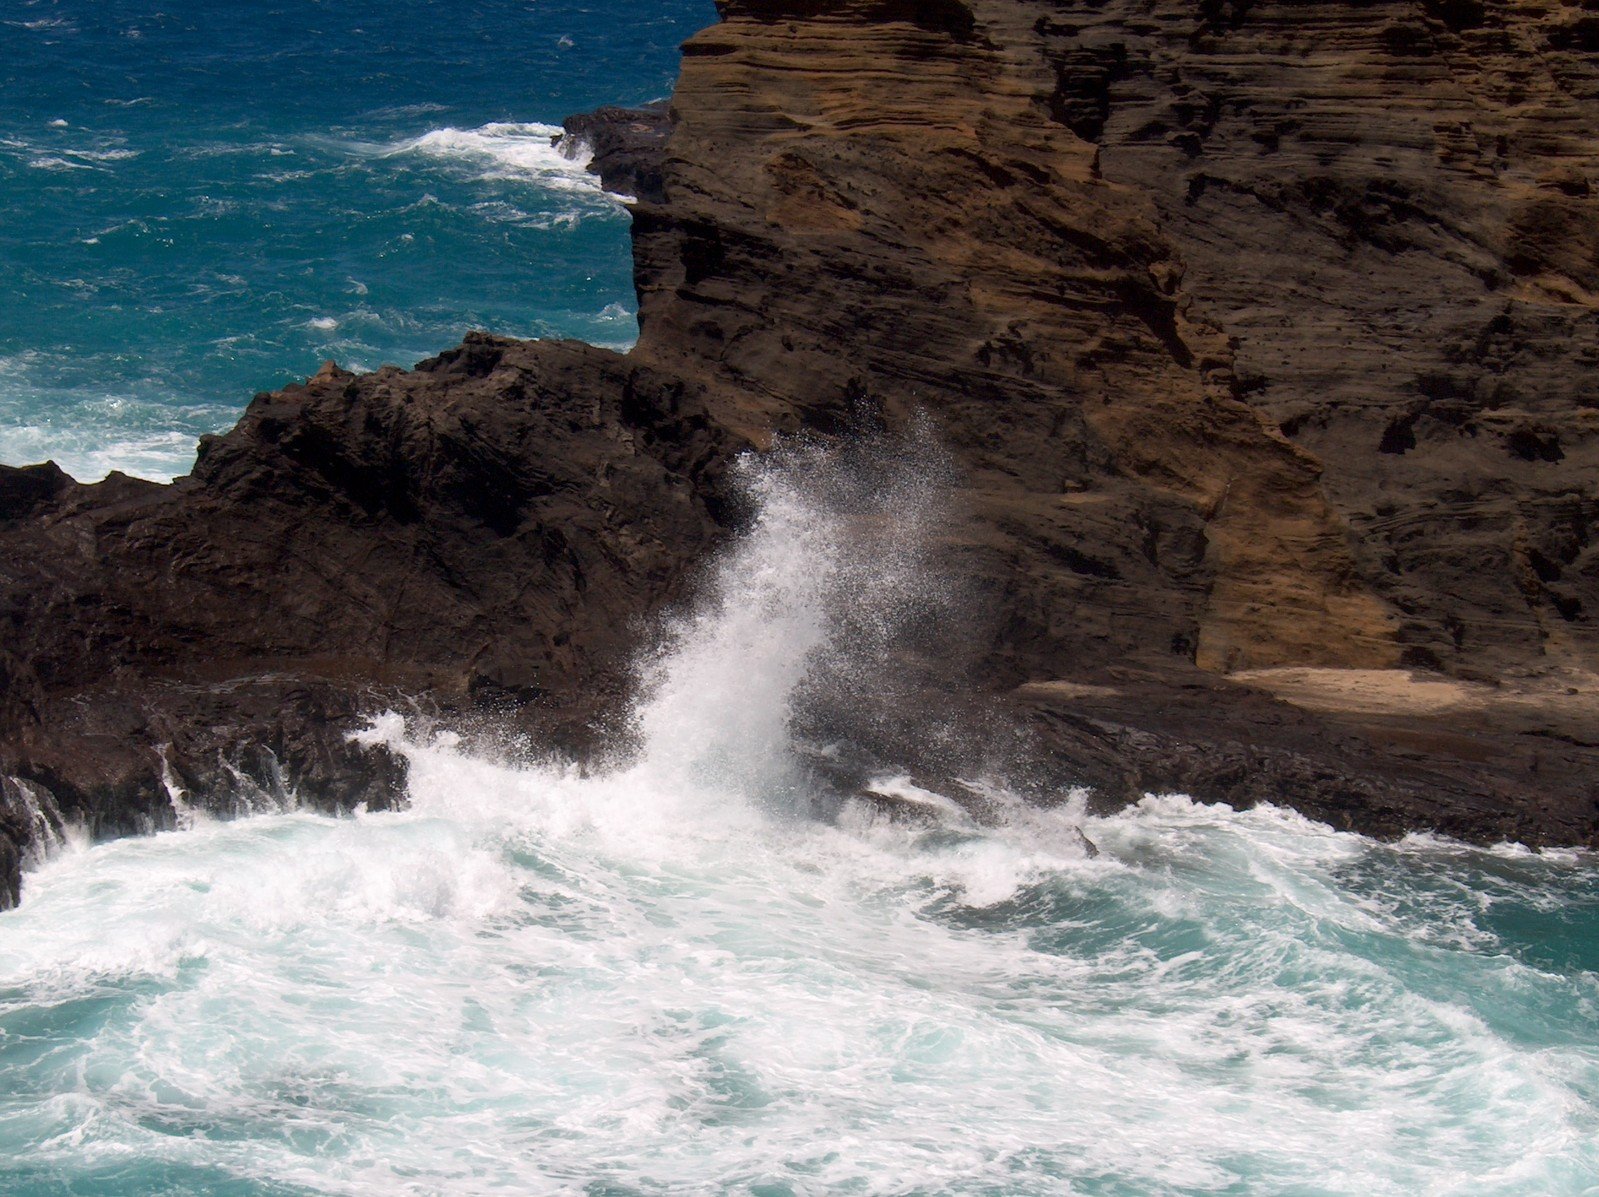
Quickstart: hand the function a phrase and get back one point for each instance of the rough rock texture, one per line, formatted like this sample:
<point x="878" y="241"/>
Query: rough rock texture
<point x="626" y="147"/>
<point x="1260" y="334"/>
<point x="467" y="535"/>
<point x="1387" y="209"/>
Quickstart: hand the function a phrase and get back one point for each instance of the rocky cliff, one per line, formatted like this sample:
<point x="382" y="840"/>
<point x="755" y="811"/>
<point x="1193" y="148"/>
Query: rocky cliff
<point x="1260" y="336"/>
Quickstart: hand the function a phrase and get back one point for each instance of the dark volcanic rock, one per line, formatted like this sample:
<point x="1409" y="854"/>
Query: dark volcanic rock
<point x="482" y="532"/>
<point x="1261" y="337"/>
<point x="627" y="147"/>
<point x="24" y="491"/>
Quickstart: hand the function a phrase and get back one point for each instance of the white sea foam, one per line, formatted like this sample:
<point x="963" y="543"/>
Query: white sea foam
<point x="89" y="433"/>
<point x="507" y="150"/>
<point x="110" y="154"/>
<point x="663" y="978"/>
<point x="158" y="456"/>
<point x="55" y="162"/>
<point x="533" y="980"/>
<point x="45" y="24"/>
<point x="61" y="158"/>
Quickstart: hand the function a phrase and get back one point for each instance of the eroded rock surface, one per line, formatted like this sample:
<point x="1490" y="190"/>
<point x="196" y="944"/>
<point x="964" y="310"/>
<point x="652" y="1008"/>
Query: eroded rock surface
<point x="626" y="147"/>
<point x="1388" y="210"/>
<point x="1260" y="335"/>
<point x="484" y="532"/>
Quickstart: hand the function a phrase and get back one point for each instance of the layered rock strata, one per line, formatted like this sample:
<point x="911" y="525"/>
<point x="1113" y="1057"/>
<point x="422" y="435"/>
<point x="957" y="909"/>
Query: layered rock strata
<point x="1259" y="335"/>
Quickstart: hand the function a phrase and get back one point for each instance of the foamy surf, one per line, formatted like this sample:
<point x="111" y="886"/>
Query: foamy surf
<point x="523" y="151"/>
<point x="669" y="977"/>
<point x="155" y="456"/>
<point x="536" y="982"/>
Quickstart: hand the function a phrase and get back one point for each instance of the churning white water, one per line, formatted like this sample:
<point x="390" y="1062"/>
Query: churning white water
<point x="670" y="978"/>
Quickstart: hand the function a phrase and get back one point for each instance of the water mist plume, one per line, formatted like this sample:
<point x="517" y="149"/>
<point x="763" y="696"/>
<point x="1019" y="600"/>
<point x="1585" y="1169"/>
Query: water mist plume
<point x="805" y="605"/>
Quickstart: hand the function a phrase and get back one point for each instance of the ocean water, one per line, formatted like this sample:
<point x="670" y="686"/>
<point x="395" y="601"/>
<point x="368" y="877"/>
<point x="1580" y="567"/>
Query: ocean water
<point x="200" y="200"/>
<point x="691" y="973"/>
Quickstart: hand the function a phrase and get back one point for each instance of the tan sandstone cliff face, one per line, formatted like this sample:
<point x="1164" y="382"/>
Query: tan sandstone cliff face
<point x="1264" y="330"/>
<point x="887" y="209"/>
<point x="1388" y="209"/>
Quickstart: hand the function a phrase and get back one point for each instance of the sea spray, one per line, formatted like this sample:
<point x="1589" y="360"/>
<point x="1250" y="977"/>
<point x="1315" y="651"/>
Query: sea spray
<point x="32" y="808"/>
<point x="807" y="605"/>
<point x="508" y="988"/>
<point x="716" y="710"/>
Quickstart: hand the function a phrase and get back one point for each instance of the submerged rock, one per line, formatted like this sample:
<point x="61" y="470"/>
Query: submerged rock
<point x="1260" y="338"/>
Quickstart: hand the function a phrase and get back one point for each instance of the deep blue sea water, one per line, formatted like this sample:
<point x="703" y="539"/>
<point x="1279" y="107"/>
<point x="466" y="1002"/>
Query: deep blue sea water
<point x="668" y="978"/>
<point x="201" y="200"/>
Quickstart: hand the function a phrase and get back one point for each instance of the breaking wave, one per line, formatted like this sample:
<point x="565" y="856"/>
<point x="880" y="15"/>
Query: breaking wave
<point x="510" y="150"/>
<point x="697" y="971"/>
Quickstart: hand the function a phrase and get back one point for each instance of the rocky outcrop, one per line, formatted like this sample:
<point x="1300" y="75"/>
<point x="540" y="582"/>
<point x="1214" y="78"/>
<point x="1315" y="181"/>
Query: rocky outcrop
<point x="1258" y="334"/>
<point x="626" y="147"/>
<point x="481" y="533"/>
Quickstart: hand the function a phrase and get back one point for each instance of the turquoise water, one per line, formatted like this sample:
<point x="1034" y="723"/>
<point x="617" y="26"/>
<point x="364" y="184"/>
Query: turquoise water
<point x="679" y="977"/>
<point x="531" y="984"/>
<point x="199" y="201"/>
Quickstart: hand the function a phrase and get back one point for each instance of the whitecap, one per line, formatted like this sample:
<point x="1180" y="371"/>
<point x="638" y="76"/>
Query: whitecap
<point x="89" y="433"/>
<point x="107" y="155"/>
<point x="507" y="150"/>
<point x="90" y="453"/>
<point x="51" y="162"/>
